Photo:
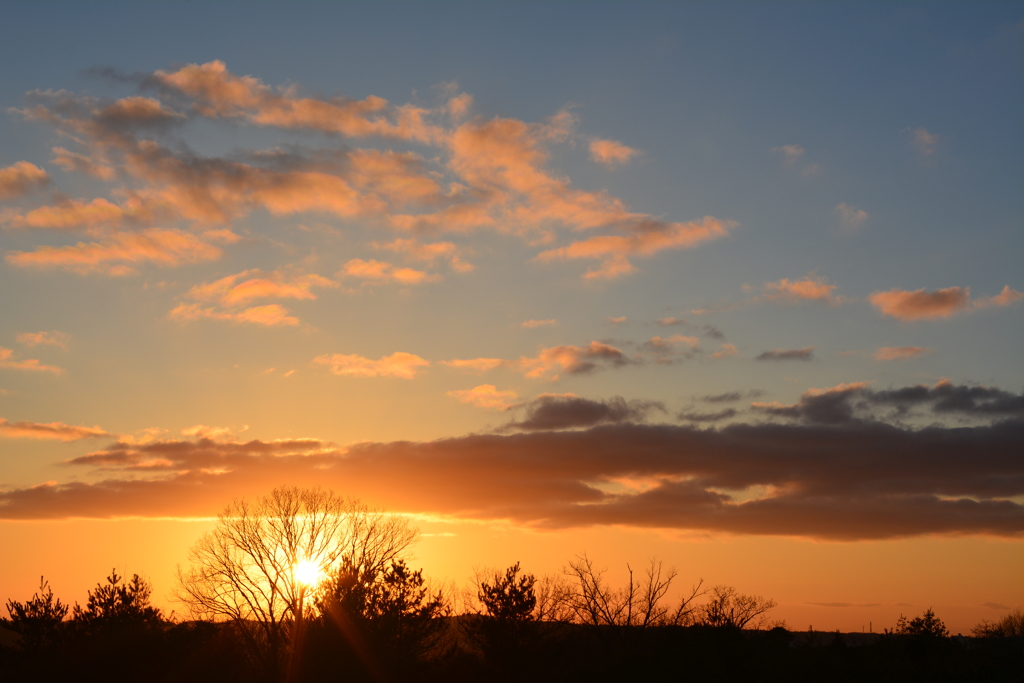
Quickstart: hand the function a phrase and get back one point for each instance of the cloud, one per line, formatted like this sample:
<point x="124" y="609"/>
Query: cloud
<point x="51" y="430"/>
<point x="398" y="364"/>
<point x="921" y="304"/>
<point x="646" y="239"/>
<point x="808" y="289"/>
<point x="850" y="216"/>
<point x="7" y="361"/>
<point x="475" y="174"/>
<point x="668" y="350"/>
<point x="790" y="153"/>
<point x="856" y="403"/>
<point x="610" y="153"/>
<point x="241" y="288"/>
<point x="51" y="338"/>
<point x="692" y="416"/>
<point x="486" y="396"/>
<point x="568" y="411"/>
<point x="923" y="141"/>
<point x="726" y="351"/>
<point x="671" y="321"/>
<point x="73" y="162"/>
<point x="617" y="321"/>
<point x="111" y="257"/>
<point x="1004" y="298"/>
<point x="20" y="179"/>
<point x="573" y="360"/>
<point x="806" y="353"/>
<point x="429" y="252"/>
<point x="840" y="482"/>
<point x="269" y="315"/>
<point x="901" y="352"/>
<point x="381" y="271"/>
<point x="539" y="323"/>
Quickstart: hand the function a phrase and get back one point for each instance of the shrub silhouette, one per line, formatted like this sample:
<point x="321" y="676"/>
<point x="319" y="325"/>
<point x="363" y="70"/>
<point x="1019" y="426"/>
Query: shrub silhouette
<point x="39" y="619"/>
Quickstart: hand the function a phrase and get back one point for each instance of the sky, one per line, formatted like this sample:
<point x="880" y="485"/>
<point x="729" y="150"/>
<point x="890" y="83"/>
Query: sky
<point x="737" y="286"/>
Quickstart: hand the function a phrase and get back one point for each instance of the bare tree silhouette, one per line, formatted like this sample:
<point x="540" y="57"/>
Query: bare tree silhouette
<point x="245" y="570"/>
<point x="730" y="609"/>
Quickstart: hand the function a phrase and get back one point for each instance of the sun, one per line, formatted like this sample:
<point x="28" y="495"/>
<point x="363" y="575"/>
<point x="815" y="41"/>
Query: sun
<point x="307" y="573"/>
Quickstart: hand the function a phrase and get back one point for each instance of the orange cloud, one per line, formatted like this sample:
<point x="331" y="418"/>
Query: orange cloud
<point x="808" y="289"/>
<point x="398" y="364"/>
<point x="21" y="178"/>
<point x="153" y="245"/>
<point x="7" y="361"/>
<point x="539" y="323"/>
<point x="1003" y="298"/>
<point x="50" y="430"/>
<point x="73" y="162"/>
<point x="571" y="359"/>
<point x="269" y="315"/>
<point x="478" y="365"/>
<point x="647" y="239"/>
<point x="429" y="252"/>
<point x="381" y="271"/>
<point x="921" y="304"/>
<point x="486" y="396"/>
<point x="240" y="288"/>
<point x="52" y="338"/>
<point x="72" y="214"/>
<point x="901" y="352"/>
<point x="609" y="152"/>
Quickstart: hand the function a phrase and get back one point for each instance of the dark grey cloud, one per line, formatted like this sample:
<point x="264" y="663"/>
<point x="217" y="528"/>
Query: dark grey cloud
<point x="692" y="416"/>
<point x="730" y="396"/>
<point x="787" y="354"/>
<point x="712" y="331"/>
<point x="841" y="481"/>
<point x="573" y="412"/>
<point x="856" y="402"/>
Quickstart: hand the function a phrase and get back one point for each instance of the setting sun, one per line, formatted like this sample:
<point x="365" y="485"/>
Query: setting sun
<point x="307" y="573"/>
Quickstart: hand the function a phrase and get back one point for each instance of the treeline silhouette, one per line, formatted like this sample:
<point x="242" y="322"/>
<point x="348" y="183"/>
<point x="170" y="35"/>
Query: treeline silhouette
<point x="302" y="585"/>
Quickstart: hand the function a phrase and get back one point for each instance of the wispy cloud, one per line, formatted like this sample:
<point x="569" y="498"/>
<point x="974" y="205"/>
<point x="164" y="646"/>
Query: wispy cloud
<point x="486" y="396"/>
<point x="901" y="352"/>
<point x="540" y="323"/>
<point x="850" y="217"/>
<point x="381" y="271"/>
<point x="398" y="364"/>
<point x="117" y="255"/>
<point x="610" y="152"/>
<point x="787" y="354"/>
<point x="1004" y="298"/>
<point x="51" y="338"/>
<point x="7" y="360"/>
<point x="808" y="289"/>
<point x="49" y="430"/>
<point x="923" y="141"/>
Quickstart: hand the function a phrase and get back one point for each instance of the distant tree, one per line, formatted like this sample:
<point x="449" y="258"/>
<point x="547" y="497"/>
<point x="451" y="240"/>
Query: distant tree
<point x="244" y="570"/>
<point x="926" y="626"/>
<point x="1010" y="626"/>
<point x="117" y="605"/>
<point x="729" y="609"/>
<point x="504" y="630"/>
<point x="389" y="619"/>
<point x="38" y="620"/>
<point x="641" y="603"/>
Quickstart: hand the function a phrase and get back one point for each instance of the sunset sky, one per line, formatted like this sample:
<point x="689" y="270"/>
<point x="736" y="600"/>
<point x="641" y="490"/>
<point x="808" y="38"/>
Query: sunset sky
<point x="734" y="285"/>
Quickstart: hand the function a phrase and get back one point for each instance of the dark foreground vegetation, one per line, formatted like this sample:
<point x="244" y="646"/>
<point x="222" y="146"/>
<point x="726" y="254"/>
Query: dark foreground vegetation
<point x="260" y="611"/>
